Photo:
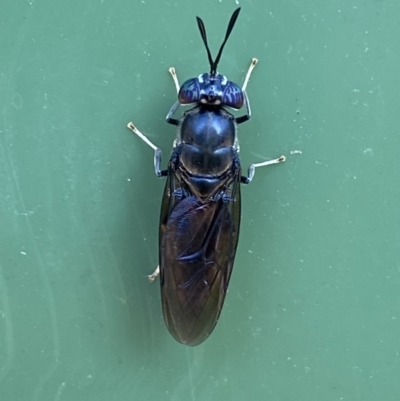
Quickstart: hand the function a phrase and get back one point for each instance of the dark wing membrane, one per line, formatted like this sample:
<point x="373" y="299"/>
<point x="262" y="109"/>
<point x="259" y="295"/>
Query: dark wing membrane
<point x="172" y="186"/>
<point x="198" y="246"/>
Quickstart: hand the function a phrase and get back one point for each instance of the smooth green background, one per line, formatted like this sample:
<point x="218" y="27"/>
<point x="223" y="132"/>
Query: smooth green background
<point x="312" y="311"/>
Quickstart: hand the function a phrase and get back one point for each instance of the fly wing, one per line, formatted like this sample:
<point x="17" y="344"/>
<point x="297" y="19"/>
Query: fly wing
<point x="198" y="246"/>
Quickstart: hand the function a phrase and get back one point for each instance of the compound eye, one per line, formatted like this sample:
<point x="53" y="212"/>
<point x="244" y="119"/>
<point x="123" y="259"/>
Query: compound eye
<point x="233" y="95"/>
<point x="189" y="92"/>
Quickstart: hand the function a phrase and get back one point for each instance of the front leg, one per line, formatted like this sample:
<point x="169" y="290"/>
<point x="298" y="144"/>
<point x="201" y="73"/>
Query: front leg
<point x="169" y="118"/>
<point x="175" y="78"/>
<point x="175" y="107"/>
<point x="247" y="116"/>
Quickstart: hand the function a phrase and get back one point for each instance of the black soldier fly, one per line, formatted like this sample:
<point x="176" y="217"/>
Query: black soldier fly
<point x="200" y="210"/>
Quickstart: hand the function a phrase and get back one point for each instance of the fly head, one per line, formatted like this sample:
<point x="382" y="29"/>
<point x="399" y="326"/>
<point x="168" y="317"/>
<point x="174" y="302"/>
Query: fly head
<point x="211" y="88"/>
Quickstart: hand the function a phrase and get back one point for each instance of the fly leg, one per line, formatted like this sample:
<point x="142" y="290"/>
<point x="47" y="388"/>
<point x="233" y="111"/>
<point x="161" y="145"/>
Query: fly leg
<point x="176" y="105"/>
<point x="175" y="78"/>
<point x="253" y="63"/>
<point x="247" y="116"/>
<point x="157" y="151"/>
<point x="159" y="173"/>
<point x="252" y="168"/>
<point x="154" y="275"/>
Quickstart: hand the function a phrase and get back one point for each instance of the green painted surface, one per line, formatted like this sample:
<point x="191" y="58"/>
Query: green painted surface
<point x="313" y="308"/>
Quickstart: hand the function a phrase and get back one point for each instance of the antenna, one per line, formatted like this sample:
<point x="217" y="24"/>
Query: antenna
<point x="202" y="29"/>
